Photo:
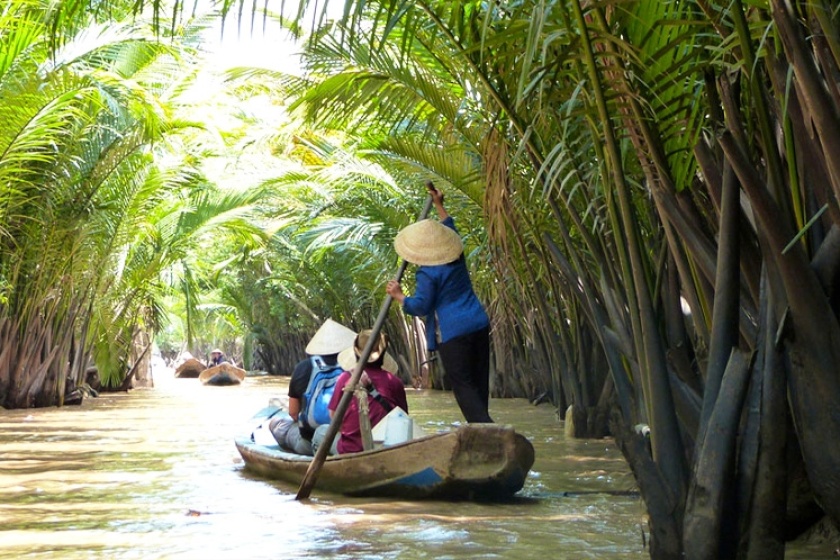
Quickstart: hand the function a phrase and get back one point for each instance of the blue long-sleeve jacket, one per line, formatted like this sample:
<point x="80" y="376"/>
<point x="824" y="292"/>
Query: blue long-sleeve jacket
<point x="445" y="296"/>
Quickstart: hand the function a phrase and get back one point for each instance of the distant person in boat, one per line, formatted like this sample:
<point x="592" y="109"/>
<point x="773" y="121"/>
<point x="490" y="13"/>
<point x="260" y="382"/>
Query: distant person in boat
<point x="385" y="391"/>
<point x="456" y="324"/>
<point x="311" y="388"/>
<point x="217" y="357"/>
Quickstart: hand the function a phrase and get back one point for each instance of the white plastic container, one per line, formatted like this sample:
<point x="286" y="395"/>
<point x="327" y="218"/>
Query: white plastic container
<point x="399" y="428"/>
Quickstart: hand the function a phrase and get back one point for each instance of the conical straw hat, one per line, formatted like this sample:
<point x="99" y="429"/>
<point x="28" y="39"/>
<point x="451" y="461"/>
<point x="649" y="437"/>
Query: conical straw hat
<point x="330" y="338"/>
<point x="347" y="358"/>
<point x="428" y="243"/>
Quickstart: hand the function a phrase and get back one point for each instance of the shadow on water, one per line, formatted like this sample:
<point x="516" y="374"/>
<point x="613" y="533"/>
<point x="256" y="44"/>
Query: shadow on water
<point x="154" y="474"/>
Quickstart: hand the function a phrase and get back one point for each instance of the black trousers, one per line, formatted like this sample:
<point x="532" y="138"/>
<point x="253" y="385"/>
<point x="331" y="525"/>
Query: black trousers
<point x="466" y="360"/>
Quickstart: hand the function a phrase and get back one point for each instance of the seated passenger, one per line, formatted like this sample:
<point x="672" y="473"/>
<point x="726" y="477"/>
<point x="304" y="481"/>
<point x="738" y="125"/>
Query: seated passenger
<point x="217" y="357"/>
<point x="311" y="388"/>
<point x="385" y="392"/>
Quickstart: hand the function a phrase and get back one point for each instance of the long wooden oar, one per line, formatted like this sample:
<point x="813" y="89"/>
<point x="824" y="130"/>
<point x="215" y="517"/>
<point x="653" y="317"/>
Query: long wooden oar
<point x="314" y="469"/>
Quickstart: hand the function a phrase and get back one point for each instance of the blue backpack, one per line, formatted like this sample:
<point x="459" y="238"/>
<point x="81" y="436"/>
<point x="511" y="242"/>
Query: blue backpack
<point x="318" y="393"/>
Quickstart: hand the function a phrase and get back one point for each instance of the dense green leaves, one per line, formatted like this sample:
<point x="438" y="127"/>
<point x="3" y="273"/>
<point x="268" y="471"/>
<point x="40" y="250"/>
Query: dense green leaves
<point x="90" y="216"/>
<point x="585" y="149"/>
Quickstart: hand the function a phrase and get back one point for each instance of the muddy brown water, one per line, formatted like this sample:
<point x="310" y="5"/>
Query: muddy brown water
<point x="155" y="474"/>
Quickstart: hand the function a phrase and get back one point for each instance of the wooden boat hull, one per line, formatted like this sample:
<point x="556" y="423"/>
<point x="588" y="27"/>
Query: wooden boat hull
<point x="221" y="379"/>
<point x="222" y="374"/>
<point x="190" y="369"/>
<point x="476" y="461"/>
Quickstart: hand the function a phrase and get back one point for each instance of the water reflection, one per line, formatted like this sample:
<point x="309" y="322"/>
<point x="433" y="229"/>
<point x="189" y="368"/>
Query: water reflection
<point x="155" y="474"/>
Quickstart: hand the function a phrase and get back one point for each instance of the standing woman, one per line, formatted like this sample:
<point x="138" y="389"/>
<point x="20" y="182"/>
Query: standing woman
<point x="456" y="323"/>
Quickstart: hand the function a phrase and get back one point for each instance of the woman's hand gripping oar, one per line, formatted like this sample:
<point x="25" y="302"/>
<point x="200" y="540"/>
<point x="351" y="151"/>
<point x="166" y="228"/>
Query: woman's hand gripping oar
<point x="314" y="469"/>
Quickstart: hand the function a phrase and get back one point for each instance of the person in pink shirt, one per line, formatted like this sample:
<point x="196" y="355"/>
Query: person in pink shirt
<point x="385" y="392"/>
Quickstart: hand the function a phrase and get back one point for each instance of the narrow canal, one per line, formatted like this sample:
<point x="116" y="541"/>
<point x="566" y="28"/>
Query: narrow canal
<point x="155" y="474"/>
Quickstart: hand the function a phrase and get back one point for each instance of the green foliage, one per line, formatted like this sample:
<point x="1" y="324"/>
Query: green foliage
<point x="584" y="147"/>
<point x="94" y="215"/>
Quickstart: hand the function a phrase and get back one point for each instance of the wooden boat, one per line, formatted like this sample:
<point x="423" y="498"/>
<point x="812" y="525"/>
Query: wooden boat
<point x="189" y="369"/>
<point x="475" y="461"/>
<point x="222" y="374"/>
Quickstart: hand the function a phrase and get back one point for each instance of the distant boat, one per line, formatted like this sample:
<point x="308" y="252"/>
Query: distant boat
<point x="190" y="368"/>
<point x="222" y="374"/>
<point x="474" y="461"/>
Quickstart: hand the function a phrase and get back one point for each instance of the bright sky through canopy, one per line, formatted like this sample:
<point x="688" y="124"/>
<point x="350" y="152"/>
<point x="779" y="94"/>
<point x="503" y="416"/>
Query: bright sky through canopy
<point x="267" y="45"/>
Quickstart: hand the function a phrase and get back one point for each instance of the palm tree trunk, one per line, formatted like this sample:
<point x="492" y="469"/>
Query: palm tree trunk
<point x="710" y="496"/>
<point x="665" y="438"/>
<point x="725" y="313"/>
<point x="764" y="515"/>
<point x="814" y="350"/>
